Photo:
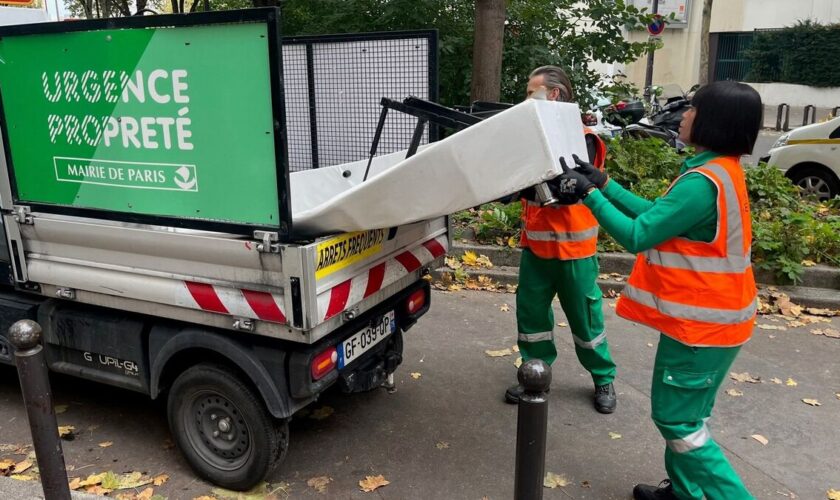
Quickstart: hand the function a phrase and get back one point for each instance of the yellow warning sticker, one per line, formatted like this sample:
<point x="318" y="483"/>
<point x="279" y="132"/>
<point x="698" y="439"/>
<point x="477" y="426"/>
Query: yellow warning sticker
<point x="339" y="252"/>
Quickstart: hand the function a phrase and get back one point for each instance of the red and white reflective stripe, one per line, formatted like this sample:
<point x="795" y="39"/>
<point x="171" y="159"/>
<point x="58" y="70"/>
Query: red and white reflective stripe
<point x="232" y="301"/>
<point x="348" y="293"/>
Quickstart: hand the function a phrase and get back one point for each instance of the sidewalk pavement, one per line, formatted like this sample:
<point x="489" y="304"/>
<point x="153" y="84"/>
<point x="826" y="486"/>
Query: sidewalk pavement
<point x="447" y="434"/>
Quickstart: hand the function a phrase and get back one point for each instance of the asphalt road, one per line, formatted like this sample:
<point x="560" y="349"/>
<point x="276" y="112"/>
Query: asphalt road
<point x="448" y="435"/>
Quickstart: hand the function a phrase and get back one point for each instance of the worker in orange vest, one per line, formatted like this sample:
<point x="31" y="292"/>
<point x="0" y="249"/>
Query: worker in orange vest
<point x="692" y="281"/>
<point x="558" y="259"/>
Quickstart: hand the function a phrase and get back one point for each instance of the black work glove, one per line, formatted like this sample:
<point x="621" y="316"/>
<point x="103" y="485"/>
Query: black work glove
<point x="595" y="175"/>
<point x="570" y="186"/>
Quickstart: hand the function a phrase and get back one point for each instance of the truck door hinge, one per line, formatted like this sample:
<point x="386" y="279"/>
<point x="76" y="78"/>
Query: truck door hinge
<point x="23" y="214"/>
<point x="268" y="241"/>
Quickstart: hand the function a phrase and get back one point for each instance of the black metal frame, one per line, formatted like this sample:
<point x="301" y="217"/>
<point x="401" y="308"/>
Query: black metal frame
<point x="271" y="17"/>
<point x="309" y="40"/>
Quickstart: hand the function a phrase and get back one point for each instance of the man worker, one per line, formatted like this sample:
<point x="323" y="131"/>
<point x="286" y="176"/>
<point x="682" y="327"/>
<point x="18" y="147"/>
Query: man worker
<point x="559" y="259"/>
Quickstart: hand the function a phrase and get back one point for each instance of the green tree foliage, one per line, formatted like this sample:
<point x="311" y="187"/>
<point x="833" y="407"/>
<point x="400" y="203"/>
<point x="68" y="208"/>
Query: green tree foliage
<point x="567" y="33"/>
<point x="805" y="54"/>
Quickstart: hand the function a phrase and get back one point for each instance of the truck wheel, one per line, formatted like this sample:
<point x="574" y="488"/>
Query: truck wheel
<point x="223" y="429"/>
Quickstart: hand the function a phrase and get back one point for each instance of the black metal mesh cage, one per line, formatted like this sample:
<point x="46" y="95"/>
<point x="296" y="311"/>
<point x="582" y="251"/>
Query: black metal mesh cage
<point x="333" y="85"/>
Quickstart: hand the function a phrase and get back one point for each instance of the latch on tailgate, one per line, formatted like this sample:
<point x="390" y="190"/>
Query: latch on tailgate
<point x="23" y="214"/>
<point x="269" y="241"/>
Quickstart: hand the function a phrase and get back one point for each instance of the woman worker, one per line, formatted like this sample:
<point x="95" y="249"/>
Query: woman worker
<point x="692" y="281"/>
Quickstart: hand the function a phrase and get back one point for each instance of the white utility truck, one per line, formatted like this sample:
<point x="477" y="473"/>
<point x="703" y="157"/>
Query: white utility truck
<point x="146" y="206"/>
<point x="199" y="210"/>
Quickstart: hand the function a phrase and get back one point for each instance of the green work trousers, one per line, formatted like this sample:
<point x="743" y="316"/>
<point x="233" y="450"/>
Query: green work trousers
<point x="685" y="383"/>
<point x="574" y="283"/>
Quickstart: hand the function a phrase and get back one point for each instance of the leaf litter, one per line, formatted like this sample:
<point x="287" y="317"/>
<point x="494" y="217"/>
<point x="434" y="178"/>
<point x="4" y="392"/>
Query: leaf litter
<point x="371" y="483"/>
<point x="553" y="480"/>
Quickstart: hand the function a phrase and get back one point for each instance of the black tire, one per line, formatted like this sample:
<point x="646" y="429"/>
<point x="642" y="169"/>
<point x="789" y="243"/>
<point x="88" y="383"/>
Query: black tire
<point x="816" y="181"/>
<point x="248" y="442"/>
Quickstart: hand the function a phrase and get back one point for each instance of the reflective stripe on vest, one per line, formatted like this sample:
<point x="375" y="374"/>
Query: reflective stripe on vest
<point x="699" y="293"/>
<point x="694" y="313"/>
<point x="565" y="232"/>
<point x="564" y="236"/>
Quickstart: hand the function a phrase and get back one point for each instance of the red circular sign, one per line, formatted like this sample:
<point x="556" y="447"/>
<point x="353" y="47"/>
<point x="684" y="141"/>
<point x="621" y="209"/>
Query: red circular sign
<point x="657" y="26"/>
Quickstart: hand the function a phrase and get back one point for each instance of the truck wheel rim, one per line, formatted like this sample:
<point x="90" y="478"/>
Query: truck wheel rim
<point x="815" y="186"/>
<point x="217" y="431"/>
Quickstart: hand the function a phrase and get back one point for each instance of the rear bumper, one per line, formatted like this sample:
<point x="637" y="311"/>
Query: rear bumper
<point x="370" y="370"/>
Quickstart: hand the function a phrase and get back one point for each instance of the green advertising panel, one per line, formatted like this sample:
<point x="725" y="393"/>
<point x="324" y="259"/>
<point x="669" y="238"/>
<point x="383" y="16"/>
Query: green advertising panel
<point x="172" y="122"/>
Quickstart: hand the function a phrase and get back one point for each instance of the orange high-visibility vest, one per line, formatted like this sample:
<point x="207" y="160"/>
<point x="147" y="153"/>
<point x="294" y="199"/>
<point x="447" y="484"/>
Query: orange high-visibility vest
<point x="700" y="294"/>
<point x="564" y="232"/>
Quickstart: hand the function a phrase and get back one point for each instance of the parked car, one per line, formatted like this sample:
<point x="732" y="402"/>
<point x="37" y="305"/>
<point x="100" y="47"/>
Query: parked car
<point x="810" y="157"/>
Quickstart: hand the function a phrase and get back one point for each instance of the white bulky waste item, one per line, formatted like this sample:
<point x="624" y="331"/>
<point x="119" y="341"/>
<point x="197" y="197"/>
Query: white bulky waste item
<point x="513" y="150"/>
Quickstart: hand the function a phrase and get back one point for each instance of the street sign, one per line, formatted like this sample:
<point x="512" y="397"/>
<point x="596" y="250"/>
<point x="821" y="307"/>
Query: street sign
<point x="173" y="122"/>
<point x="657" y="26"/>
<point x="17" y="2"/>
<point x="681" y="9"/>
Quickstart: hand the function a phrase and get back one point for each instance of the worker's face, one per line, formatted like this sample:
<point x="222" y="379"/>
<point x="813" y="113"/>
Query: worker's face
<point x="686" y="123"/>
<point x="537" y="90"/>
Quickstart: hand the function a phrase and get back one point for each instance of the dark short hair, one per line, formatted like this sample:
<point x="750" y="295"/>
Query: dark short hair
<point x="556" y="78"/>
<point x="729" y="116"/>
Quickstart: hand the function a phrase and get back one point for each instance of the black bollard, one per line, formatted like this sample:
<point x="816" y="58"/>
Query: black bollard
<point x="531" y="425"/>
<point x="25" y="336"/>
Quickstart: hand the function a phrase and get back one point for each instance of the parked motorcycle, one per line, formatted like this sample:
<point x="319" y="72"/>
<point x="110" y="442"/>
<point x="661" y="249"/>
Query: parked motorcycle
<point x="663" y="120"/>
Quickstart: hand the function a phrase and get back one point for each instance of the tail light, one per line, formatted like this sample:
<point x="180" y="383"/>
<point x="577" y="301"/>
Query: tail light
<point x="416" y="301"/>
<point x="590" y="120"/>
<point x="324" y="363"/>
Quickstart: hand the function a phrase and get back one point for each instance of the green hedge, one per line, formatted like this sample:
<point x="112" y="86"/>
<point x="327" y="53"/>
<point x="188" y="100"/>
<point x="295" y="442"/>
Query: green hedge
<point x="805" y="54"/>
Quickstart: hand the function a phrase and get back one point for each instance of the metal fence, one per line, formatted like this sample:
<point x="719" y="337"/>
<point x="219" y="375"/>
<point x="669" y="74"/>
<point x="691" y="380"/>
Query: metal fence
<point x="333" y="85"/>
<point x="731" y="64"/>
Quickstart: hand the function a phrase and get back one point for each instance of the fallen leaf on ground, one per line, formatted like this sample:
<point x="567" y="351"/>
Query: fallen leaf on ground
<point x="833" y="494"/>
<point x="504" y="308"/>
<point x="808" y="263"/>
<point x="734" y="392"/>
<point x="159" y="480"/>
<point x="499" y="353"/>
<point x="812" y="402"/>
<point x="91" y="480"/>
<point x="147" y="494"/>
<point x="6" y="464"/>
<point x="75" y="483"/>
<point x="469" y="258"/>
<point x="744" y="377"/>
<point x="66" y="431"/>
<point x="319" y="483"/>
<point x="22" y="466"/>
<point x="817" y="311"/>
<point x="442" y="445"/>
<point x="105" y="444"/>
<point x="776" y="380"/>
<point x="205" y="497"/>
<point x="828" y="332"/>
<point x="22" y="477"/>
<point x="518" y="362"/>
<point x="761" y="439"/>
<point x="585" y="484"/>
<point x="562" y="325"/>
<point x="791" y="383"/>
<point x="649" y="344"/>
<point x="59" y="409"/>
<point x="603" y="276"/>
<point x="615" y="435"/>
<point x="771" y="327"/>
<point x="322" y="413"/>
<point x="514" y="348"/>
<point x="553" y="480"/>
<point x="370" y="483"/>
<point x="837" y="394"/>
<point x="452" y="263"/>
<point x="416" y="375"/>
<point x="97" y="490"/>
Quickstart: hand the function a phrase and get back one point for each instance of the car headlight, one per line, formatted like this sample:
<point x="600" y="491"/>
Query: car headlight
<point x="781" y="141"/>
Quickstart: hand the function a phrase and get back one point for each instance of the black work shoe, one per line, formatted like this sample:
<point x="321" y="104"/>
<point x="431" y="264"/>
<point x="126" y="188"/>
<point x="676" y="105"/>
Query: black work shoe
<point x="605" y="399"/>
<point x="513" y="393"/>
<point x="647" y="492"/>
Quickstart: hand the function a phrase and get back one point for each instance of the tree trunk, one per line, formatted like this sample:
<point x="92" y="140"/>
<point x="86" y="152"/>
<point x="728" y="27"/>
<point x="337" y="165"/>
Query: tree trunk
<point x="704" y="42"/>
<point x="487" y="50"/>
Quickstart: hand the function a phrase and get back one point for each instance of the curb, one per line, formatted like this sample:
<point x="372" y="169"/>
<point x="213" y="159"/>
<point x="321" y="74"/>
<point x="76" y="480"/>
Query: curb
<point x="31" y="490"/>
<point x="816" y="289"/>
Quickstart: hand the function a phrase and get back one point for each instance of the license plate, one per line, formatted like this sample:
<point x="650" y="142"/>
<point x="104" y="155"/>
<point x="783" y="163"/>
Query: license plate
<point x="361" y="342"/>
